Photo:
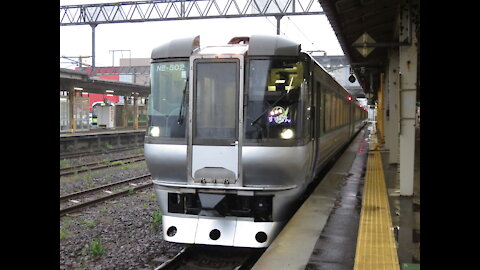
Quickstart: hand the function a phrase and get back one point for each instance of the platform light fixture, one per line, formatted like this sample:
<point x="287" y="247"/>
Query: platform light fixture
<point x="109" y="91"/>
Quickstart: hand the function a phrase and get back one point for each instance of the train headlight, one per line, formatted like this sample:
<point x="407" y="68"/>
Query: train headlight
<point x="154" y="131"/>
<point x="287" y="134"/>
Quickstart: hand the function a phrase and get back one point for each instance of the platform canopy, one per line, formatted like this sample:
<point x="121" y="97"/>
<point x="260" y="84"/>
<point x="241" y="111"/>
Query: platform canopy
<point x="81" y="80"/>
<point x="367" y="30"/>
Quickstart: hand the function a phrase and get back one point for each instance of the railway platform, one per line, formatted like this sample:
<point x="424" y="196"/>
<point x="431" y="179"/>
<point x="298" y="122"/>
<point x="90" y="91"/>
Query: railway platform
<point x="355" y="218"/>
<point x="96" y="140"/>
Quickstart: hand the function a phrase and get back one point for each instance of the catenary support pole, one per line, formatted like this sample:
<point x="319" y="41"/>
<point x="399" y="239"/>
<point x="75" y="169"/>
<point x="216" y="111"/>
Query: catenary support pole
<point x="93" y="47"/>
<point x="278" y="23"/>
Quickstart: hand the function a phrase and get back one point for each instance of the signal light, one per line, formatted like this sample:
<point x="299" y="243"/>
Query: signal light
<point x="349" y="98"/>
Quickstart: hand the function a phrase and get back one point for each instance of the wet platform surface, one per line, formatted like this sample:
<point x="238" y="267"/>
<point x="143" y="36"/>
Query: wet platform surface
<point x="405" y="211"/>
<point x="329" y="240"/>
<point x="335" y="248"/>
<point x="315" y="238"/>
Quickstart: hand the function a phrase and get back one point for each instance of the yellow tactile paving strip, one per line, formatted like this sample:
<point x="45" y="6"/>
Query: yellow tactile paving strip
<point x="376" y="248"/>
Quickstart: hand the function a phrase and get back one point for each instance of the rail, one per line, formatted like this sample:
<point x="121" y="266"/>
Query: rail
<point x="77" y="204"/>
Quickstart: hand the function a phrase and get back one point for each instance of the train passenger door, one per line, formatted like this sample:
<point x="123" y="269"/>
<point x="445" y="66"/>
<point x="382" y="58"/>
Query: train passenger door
<point x="214" y="147"/>
<point x="317" y="125"/>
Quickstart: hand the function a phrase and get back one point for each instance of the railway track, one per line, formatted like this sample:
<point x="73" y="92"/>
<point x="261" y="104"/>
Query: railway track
<point x="201" y="257"/>
<point x="100" y="165"/>
<point x="75" y="201"/>
<point x="99" y="152"/>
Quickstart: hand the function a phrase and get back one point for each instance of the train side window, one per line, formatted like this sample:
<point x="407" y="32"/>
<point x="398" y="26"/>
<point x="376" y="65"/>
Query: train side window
<point x="341" y="111"/>
<point x="339" y="115"/>
<point x="318" y="106"/>
<point x="338" y="111"/>
<point x="334" y="112"/>
<point x="328" y="111"/>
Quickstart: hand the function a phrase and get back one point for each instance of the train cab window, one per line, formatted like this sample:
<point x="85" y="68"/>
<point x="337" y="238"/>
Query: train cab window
<point x="274" y="105"/>
<point x="167" y="104"/>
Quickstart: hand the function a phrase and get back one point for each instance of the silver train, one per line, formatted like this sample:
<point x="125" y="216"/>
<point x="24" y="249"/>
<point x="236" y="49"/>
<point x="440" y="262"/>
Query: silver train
<point x="236" y="133"/>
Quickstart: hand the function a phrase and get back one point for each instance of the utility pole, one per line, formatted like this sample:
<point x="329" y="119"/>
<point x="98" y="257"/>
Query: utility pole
<point x="113" y="56"/>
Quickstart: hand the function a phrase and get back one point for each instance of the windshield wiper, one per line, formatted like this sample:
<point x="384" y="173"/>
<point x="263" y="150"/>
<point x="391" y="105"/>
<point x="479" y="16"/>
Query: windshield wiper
<point x="180" y="115"/>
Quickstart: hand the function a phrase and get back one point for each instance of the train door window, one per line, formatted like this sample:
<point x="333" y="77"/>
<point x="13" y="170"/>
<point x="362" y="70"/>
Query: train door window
<point x="216" y="103"/>
<point x="308" y="114"/>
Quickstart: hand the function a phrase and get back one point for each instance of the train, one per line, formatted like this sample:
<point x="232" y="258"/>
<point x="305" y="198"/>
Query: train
<point x="237" y="132"/>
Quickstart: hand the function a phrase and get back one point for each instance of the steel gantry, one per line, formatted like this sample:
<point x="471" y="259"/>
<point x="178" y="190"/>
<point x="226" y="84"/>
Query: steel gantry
<point x="162" y="10"/>
<point x="165" y="10"/>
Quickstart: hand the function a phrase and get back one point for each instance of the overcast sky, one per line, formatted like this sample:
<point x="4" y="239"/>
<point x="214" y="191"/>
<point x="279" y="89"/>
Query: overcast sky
<point x="312" y="31"/>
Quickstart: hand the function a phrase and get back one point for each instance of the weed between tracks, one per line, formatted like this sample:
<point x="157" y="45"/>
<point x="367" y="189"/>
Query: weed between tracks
<point x="127" y="229"/>
<point x="95" y="248"/>
<point x="156" y="220"/>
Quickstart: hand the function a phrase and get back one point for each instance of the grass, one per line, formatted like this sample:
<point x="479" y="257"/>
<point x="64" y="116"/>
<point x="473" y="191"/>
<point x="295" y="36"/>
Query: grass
<point x="63" y="233"/>
<point x="67" y="222"/>
<point x="118" y="162"/>
<point x="89" y="223"/>
<point x="95" y="248"/>
<point x="65" y="163"/>
<point x="156" y="220"/>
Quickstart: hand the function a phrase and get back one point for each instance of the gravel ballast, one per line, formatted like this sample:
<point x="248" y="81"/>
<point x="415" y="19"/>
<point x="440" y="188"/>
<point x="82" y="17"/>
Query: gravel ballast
<point x="123" y="233"/>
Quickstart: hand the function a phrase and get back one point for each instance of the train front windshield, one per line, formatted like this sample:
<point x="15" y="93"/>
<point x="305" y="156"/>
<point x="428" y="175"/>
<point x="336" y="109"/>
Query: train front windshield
<point x="274" y="110"/>
<point x="168" y="106"/>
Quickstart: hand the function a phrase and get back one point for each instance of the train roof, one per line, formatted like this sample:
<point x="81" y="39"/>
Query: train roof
<point x="258" y="45"/>
<point x="177" y="48"/>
